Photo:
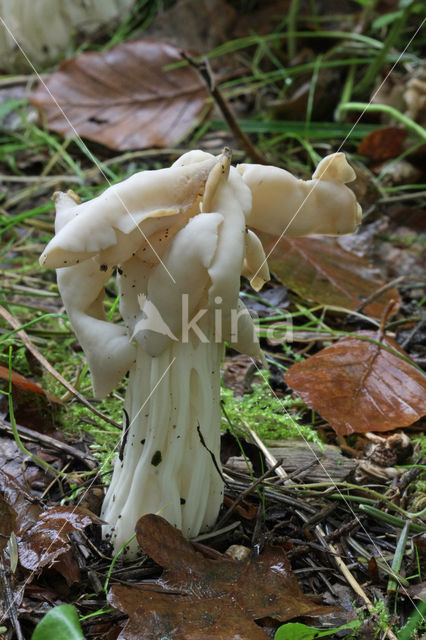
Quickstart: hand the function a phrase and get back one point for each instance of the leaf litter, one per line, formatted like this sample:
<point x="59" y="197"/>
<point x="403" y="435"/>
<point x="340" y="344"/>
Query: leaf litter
<point x="42" y="532"/>
<point x="123" y="98"/>
<point x="286" y="517"/>
<point x="318" y="269"/>
<point x="358" y="385"/>
<point x="203" y="597"/>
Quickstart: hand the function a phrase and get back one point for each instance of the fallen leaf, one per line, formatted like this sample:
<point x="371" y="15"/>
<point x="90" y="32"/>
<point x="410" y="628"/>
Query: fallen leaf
<point x="199" y="598"/>
<point x="319" y="269"/>
<point x="7" y="522"/>
<point x="359" y="386"/>
<point x="42" y="533"/>
<point x="383" y="144"/>
<point x="123" y="97"/>
<point x="32" y="405"/>
<point x="21" y="381"/>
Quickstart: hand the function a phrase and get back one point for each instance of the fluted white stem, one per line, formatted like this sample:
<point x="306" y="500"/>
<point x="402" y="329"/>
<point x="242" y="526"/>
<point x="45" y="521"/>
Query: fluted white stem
<point x="171" y="444"/>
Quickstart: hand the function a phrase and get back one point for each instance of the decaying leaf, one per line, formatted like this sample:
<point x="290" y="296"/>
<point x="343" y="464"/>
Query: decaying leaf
<point x="123" y="97"/>
<point x="7" y="522"/>
<point x="199" y="598"/>
<point x="359" y="386"/>
<point x="319" y="269"/>
<point x="384" y="143"/>
<point x="42" y="533"/>
<point x="20" y="381"/>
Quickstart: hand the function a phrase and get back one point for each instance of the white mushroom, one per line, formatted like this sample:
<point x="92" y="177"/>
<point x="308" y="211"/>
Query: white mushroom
<point x="179" y="237"/>
<point x="284" y="204"/>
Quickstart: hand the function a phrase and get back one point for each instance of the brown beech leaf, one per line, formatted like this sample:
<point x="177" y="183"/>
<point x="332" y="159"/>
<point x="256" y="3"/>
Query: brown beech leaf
<point x="359" y="386"/>
<point x="42" y="533"/>
<point x="319" y="269"/>
<point x="122" y="97"/>
<point x="384" y="143"/>
<point x="7" y="522"/>
<point x="199" y="598"/>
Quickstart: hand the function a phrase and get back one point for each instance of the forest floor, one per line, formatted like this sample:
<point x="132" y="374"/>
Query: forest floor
<point x="323" y="527"/>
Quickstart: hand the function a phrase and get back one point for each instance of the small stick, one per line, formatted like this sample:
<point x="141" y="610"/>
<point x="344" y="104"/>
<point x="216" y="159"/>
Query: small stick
<point x="204" y="70"/>
<point x="413" y="332"/>
<point x="376" y="294"/>
<point x="246" y="492"/>
<point x="26" y="340"/>
<point x="351" y="580"/>
<point x="87" y="458"/>
<point x="268" y="455"/>
<point x="10" y="599"/>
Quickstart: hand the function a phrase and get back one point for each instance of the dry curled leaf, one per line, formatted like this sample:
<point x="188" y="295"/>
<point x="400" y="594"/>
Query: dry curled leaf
<point x="319" y="269"/>
<point x="199" y="598"/>
<point x="359" y="386"/>
<point x="123" y="97"/>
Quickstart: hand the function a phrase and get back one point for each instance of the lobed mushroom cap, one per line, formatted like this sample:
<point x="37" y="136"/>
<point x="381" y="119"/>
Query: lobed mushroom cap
<point x="283" y="204"/>
<point x="109" y="220"/>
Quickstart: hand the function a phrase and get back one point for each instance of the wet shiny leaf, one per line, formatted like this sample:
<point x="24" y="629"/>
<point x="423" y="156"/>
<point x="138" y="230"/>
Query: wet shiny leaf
<point x="123" y="97"/>
<point x="319" y="269"/>
<point x="42" y="533"/>
<point x="199" y="598"/>
<point x="359" y="386"/>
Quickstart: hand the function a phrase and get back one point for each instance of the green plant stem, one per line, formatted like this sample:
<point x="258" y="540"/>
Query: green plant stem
<point x="291" y="30"/>
<point x="7" y="335"/>
<point x="365" y="507"/>
<point x="380" y="61"/>
<point x="391" y="111"/>
<point x="381" y="562"/>
<point x="407" y="632"/>
<point x="398" y="556"/>
<point x="395" y="521"/>
<point x="114" y="560"/>
<point x="347" y="91"/>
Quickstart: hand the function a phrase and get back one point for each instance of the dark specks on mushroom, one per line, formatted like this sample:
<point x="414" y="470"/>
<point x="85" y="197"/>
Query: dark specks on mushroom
<point x="182" y="501"/>
<point x="156" y="459"/>
<point x="103" y="267"/>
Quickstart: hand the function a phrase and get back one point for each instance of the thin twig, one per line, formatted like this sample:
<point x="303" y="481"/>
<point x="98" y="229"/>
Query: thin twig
<point x="376" y="294"/>
<point x="245" y="493"/>
<point x="9" y="598"/>
<point x="413" y="332"/>
<point x="205" y="72"/>
<point x="350" y="579"/>
<point x="280" y="471"/>
<point x="35" y="436"/>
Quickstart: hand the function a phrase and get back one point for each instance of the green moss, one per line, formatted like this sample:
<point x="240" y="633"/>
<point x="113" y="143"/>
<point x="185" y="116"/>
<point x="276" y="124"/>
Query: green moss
<point x="266" y="414"/>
